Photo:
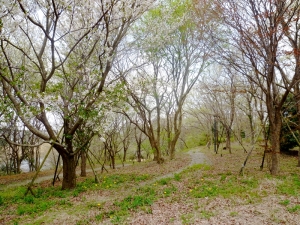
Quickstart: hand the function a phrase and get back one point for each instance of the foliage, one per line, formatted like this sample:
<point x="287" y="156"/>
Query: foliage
<point x="196" y="139"/>
<point x="163" y="20"/>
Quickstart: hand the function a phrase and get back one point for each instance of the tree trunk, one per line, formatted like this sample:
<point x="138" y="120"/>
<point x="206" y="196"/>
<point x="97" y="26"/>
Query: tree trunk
<point x="228" y="143"/>
<point x="297" y="98"/>
<point x="275" y="127"/>
<point x="251" y="128"/>
<point x="177" y="123"/>
<point x="125" y="154"/>
<point x="173" y="144"/>
<point x="298" y="157"/>
<point x="37" y="158"/>
<point x="69" y="172"/>
<point x="83" y="164"/>
<point x="168" y="130"/>
<point x="157" y="155"/>
<point x="172" y="150"/>
<point x="138" y="153"/>
<point x="156" y="150"/>
<point x="113" y="161"/>
<point x="18" y="162"/>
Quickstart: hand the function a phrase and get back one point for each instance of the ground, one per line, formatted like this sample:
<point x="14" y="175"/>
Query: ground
<point x="196" y="188"/>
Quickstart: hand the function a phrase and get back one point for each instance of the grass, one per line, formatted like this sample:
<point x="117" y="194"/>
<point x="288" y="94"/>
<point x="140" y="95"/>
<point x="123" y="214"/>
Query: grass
<point x="118" y="196"/>
<point x="290" y="185"/>
<point x="294" y="209"/>
<point x="46" y="198"/>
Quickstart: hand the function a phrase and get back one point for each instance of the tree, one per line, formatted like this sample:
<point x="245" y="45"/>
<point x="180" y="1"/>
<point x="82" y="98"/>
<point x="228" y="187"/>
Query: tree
<point x="219" y="93"/>
<point x="117" y="138"/>
<point x="257" y="30"/>
<point x="147" y="103"/>
<point x="179" y="54"/>
<point x="44" y="76"/>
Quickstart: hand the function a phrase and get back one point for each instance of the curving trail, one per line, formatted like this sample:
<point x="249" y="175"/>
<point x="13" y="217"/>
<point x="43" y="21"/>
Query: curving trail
<point x="197" y="157"/>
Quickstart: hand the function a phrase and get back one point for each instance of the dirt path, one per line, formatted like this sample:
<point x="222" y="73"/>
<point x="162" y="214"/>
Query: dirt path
<point x="197" y="157"/>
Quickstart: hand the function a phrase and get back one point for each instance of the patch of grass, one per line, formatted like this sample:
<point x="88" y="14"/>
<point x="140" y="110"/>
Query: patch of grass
<point x="294" y="209"/>
<point x="197" y="167"/>
<point x="168" y="191"/>
<point x="223" y="178"/>
<point x="13" y="195"/>
<point x="116" y="180"/>
<point x="250" y="182"/>
<point x="285" y="202"/>
<point x="51" y="192"/>
<point x="163" y="181"/>
<point x="146" y="190"/>
<point x="44" y="198"/>
<point x="117" y="219"/>
<point x="39" y="206"/>
<point x="64" y="202"/>
<point x="177" y="177"/>
<point x="290" y="186"/>
<point x="99" y="217"/>
<point x="144" y="198"/>
<point x="142" y="177"/>
<point x="206" y="214"/>
<point x="233" y="214"/>
<point x="60" y="194"/>
<point x="29" y="199"/>
<point x="75" y="193"/>
<point x="187" y="219"/>
<point x="232" y="186"/>
<point x="133" y="202"/>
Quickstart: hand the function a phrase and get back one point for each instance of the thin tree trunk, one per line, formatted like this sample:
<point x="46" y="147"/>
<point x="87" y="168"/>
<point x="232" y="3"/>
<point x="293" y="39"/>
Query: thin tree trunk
<point x="177" y="123"/>
<point x="251" y="128"/>
<point x="138" y="154"/>
<point x="297" y="98"/>
<point x="113" y="161"/>
<point x="172" y="149"/>
<point x="298" y="157"/>
<point x="125" y="154"/>
<point x="83" y="164"/>
<point x="228" y="142"/>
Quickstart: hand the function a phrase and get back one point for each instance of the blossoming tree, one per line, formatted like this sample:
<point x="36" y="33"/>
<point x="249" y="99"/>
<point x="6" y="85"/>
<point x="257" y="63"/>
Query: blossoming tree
<point x="55" y="61"/>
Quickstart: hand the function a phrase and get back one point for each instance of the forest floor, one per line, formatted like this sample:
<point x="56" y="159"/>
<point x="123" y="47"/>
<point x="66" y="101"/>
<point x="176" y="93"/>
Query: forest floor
<point x="196" y="188"/>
